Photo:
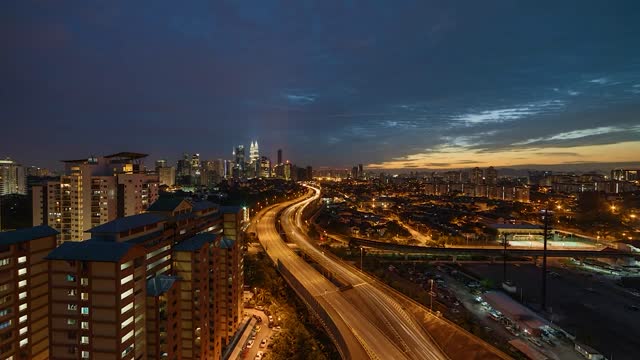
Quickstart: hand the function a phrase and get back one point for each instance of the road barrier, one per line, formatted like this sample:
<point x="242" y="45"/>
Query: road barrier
<point x="316" y="309"/>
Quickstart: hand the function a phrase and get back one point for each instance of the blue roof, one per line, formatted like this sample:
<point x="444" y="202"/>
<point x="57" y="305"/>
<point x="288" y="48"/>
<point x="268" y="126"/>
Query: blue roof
<point x="226" y="243"/>
<point x="165" y="204"/>
<point x="26" y="234"/>
<point x="160" y="284"/>
<point x="127" y="223"/>
<point x="203" y="205"/>
<point x="230" y="209"/>
<point x="195" y="243"/>
<point x="90" y="250"/>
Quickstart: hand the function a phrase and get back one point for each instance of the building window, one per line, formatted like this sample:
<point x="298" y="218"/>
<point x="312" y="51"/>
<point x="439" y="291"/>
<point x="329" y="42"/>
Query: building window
<point x="22" y="307"/>
<point x="84" y="339"/>
<point x="84" y="310"/>
<point x="84" y="296"/>
<point x="5" y="324"/>
<point x="22" y="271"/>
<point x="71" y="321"/>
<point x="23" y="330"/>
<point x="84" y="281"/>
<point x="22" y="283"/>
<point x="71" y="292"/>
<point x="22" y="295"/>
<point x="4" y="312"/>
<point x="23" y="318"/>
<point x="72" y="307"/>
<point x="84" y="325"/>
<point x="71" y="278"/>
<point x="126" y="279"/>
<point x="22" y="259"/>
<point x="85" y="355"/>
<point x="4" y="262"/>
<point x="24" y="342"/>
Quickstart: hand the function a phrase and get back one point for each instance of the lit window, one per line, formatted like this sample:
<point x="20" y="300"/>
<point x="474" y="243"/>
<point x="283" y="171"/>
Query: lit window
<point x="71" y="292"/>
<point x="22" y="307"/>
<point x="23" y="330"/>
<point x="72" y="307"/>
<point x="84" y="339"/>
<point x="126" y="279"/>
<point x="71" y="321"/>
<point x="126" y="293"/>
<point x="84" y="325"/>
<point x="24" y="342"/>
<point x="22" y="271"/>
<point x="22" y="259"/>
<point x="85" y="355"/>
<point x="4" y="262"/>
<point x="126" y="308"/>
<point x="71" y="278"/>
<point x="23" y="318"/>
<point x="84" y="310"/>
<point x="84" y="281"/>
<point x="22" y="283"/>
<point x="22" y="295"/>
<point x="84" y="296"/>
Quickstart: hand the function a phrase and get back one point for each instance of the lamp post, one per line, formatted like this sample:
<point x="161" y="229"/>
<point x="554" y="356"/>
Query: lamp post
<point x="361" y="253"/>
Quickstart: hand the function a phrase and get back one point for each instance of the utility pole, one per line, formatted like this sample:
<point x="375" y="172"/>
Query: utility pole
<point x="504" y="258"/>
<point x="431" y="293"/>
<point x="543" y="300"/>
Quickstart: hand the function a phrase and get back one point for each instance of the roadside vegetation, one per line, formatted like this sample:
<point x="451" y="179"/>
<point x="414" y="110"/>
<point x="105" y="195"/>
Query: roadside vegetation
<point x="301" y="336"/>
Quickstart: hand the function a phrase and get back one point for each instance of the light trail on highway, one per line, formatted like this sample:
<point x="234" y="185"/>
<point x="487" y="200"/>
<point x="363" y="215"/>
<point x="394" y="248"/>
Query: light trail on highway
<point x="366" y="315"/>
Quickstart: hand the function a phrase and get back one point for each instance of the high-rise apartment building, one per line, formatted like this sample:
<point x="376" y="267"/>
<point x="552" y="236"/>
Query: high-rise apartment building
<point x="279" y="156"/>
<point x="477" y="176"/>
<point x="491" y="176"/>
<point x="239" y="162"/>
<point x="94" y="191"/>
<point x="12" y="178"/>
<point x="166" y="284"/>
<point x="24" y="293"/>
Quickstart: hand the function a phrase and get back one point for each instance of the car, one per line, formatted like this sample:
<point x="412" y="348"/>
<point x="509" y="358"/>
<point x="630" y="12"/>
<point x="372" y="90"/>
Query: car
<point x="263" y="343"/>
<point x="259" y="355"/>
<point x="249" y="344"/>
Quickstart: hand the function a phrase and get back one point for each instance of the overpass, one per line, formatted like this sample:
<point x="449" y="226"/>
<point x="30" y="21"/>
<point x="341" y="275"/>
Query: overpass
<point x="491" y="251"/>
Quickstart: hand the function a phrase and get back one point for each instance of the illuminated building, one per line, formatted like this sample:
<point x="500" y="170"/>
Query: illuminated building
<point x="24" y="292"/>
<point x="12" y="178"/>
<point x="94" y="191"/>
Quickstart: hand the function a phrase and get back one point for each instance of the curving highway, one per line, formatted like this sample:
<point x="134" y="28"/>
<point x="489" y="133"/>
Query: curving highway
<point x="371" y="322"/>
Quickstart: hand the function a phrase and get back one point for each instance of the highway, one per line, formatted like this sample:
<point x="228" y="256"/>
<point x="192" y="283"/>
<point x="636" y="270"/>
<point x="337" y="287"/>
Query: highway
<point x="372" y="323"/>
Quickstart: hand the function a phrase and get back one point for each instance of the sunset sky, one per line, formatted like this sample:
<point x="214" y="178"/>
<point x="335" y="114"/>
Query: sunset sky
<point x="390" y="84"/>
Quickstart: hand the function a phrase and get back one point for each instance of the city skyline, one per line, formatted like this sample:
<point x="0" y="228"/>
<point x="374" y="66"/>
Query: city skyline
<point x="448" y="86"/>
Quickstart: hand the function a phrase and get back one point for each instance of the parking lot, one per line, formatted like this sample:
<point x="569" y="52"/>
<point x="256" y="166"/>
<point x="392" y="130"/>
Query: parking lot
<point x="587" y="305"/>
<point x="261" y="337"/>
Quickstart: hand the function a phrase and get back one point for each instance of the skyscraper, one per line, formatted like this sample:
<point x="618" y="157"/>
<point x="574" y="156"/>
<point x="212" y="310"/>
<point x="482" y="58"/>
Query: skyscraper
<point x="239" y="159"/>
<point x="279" y="156"/>
<point x="265" y="167"/>
<point x="12" y="178"/>
<point x="491" y="176"/>
<point x="254" y="152"/>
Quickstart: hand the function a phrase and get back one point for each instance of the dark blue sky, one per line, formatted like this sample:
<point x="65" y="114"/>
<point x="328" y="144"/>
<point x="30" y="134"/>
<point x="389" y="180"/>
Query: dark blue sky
<point x="387" y="83"/>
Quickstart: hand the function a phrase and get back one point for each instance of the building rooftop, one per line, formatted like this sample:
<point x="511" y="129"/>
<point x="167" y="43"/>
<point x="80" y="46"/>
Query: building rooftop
<point x="165" y="204"/>
<point x="203" y="205"/>
<point x="26" y="234"/>
<point x="90" y="250"/>
<point x="127" y="155"/>
<point x="226" y="243"/>
<point x="195" y="243"/>
<point x="160" y="284"/>
<point x="127" y="223"/>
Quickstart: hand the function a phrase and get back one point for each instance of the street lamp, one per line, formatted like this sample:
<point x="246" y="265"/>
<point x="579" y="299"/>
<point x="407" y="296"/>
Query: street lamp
<point x="361" y="251"/>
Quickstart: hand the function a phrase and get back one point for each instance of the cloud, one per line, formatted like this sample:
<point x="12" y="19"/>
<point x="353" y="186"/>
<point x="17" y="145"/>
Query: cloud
<point x="581" y="133"/>
<point x="508" y="114"/>
<point x="600" y="81"/>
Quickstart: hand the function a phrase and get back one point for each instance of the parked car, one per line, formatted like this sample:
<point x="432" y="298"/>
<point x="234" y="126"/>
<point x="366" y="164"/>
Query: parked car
<point x="263" y="343"/>
<point x="249" y="344"/>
